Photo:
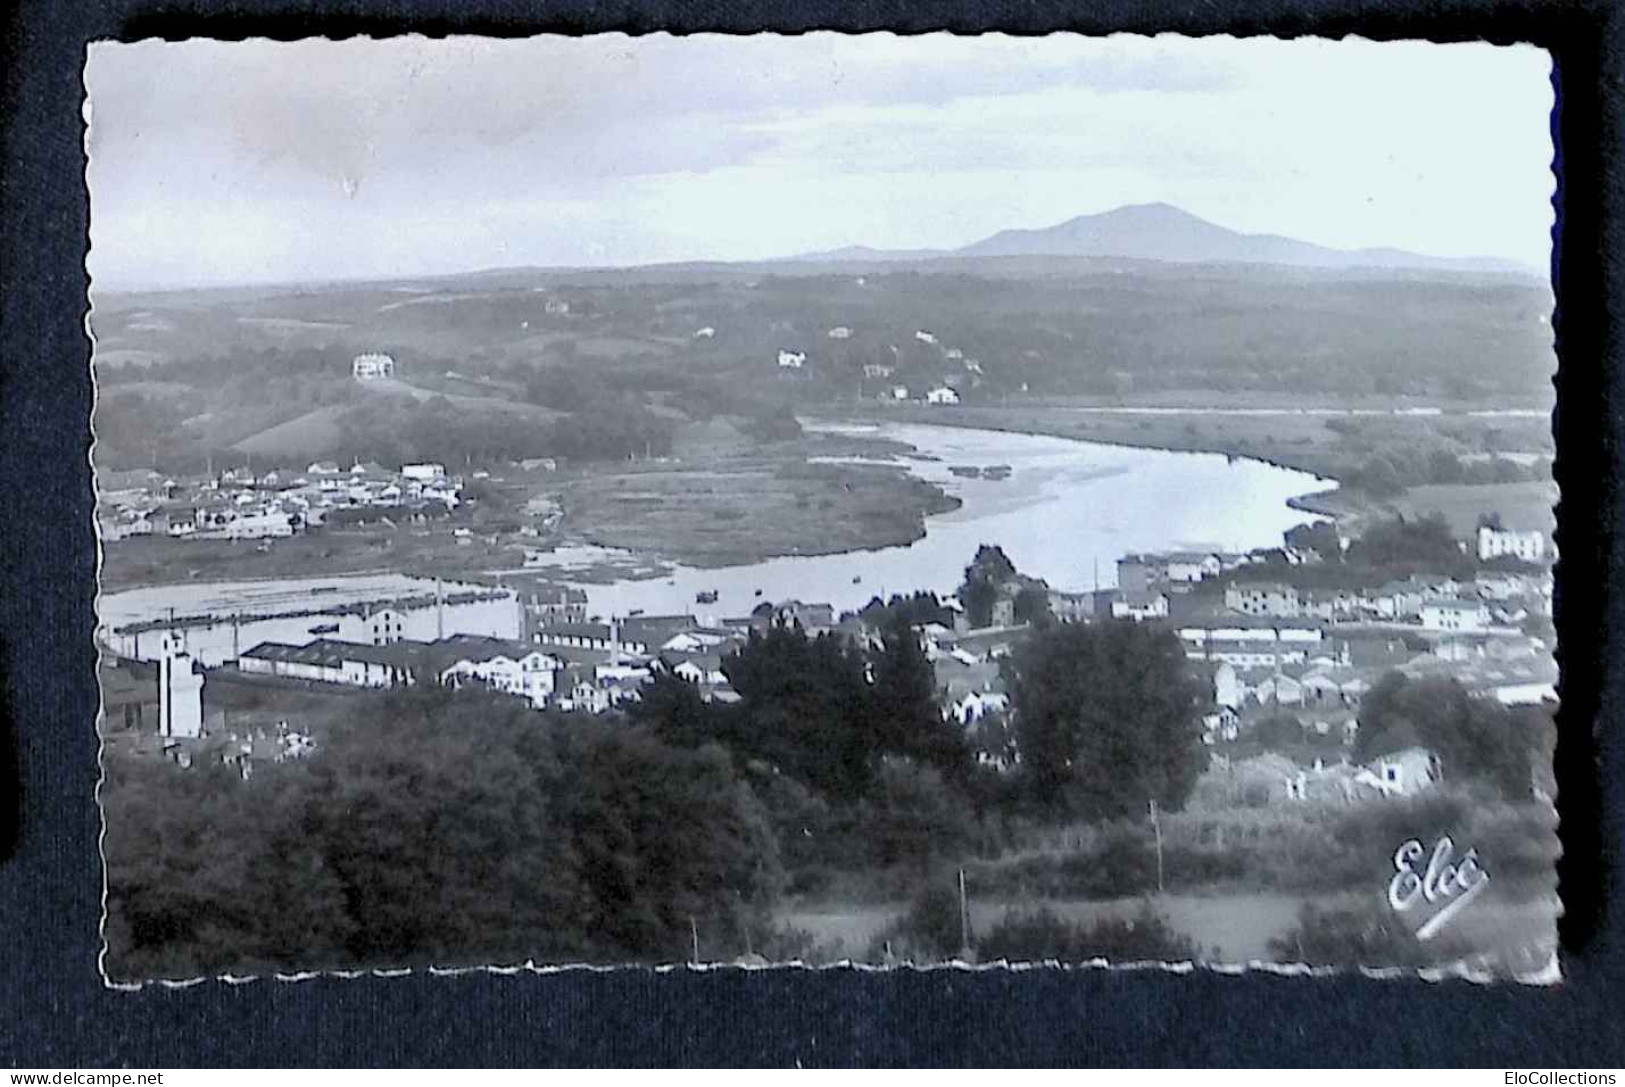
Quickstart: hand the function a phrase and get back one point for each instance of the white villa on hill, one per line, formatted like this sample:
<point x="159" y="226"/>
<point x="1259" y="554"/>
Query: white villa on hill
<point x="372" y="366"/>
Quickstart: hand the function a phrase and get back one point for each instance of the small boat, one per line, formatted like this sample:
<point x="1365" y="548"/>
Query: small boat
<point x="758" y="592"/>
<point x="858" y="580"/>
<point x="966" y="471"/>
<point x="707" y="597"/>
<point x="997" y="471"/>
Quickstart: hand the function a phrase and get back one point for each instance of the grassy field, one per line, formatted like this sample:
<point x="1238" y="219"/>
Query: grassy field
<point x="1521" y="505"/>
<point x="312" y="434"/>
<point x="1225" y="928"/>
<point x="723" y="512"/>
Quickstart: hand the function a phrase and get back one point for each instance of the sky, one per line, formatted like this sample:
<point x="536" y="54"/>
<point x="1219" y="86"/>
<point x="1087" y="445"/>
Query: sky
<point x="219" y="163"/>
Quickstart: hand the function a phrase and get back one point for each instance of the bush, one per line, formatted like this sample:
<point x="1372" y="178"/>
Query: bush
<point x="930" y="931"/>
<point x="1374" y="937"/>
<point x="1041" y="934"/>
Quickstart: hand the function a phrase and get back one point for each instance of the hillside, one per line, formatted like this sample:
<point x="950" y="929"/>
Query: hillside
<point x="607" y="361"/>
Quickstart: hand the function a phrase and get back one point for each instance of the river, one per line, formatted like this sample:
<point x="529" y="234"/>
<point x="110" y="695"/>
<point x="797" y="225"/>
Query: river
<point x="1066" y="512"/>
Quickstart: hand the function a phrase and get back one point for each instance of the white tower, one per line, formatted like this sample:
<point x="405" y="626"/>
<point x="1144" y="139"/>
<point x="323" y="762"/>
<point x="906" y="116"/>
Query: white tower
<point x="180" y="690"/>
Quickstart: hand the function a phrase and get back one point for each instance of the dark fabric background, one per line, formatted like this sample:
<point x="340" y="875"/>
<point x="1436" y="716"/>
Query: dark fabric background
<point x="54" y="1010"/>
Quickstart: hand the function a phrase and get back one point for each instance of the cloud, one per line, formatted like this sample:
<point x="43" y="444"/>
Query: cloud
<point x="411" y="155"/>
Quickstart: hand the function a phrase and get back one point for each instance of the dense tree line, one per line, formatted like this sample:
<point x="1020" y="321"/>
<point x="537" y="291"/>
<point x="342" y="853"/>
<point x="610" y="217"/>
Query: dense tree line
<point x="819" y="709"/>
<point x="437" y="829"/>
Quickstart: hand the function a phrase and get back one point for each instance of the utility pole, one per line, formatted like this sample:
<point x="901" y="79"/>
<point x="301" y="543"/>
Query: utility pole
<point x="964" y="918"/>
<point x="1156" y="827"/>
<point x="694" y="933"/>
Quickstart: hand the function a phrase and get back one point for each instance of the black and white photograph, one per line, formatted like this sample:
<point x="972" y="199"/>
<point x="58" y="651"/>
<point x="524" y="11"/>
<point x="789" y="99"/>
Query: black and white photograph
<point x="804" y="501"/>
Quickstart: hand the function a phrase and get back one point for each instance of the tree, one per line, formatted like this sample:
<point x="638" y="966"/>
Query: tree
<point x="1475" y="738"/>
<point x="1415" y="542"/>
<point x="919" y="609"/>
<point x="907" y="718"/>
<point x="437" y="829"/>
<point x="1107" y="718"/>
<point x="1032" y="606"/>
<point x="807" y="708"/>
<point x="987" y="573"/>
<point x="912" y="817"/>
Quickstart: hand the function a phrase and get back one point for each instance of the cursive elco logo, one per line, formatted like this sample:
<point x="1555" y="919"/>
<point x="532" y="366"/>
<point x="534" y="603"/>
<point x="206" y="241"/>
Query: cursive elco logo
<point x="1443" y="882"/>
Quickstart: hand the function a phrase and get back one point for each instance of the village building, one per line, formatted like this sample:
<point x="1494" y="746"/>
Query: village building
<point x="547" y="604"/>
<point x="180" y="689"/>
<point x="1190" y="566"/>
<point x="328" y="661"/>
<point x="1139" y="606"/>
<point x="941" y="395"/>
<point x="976" y="705"/>
<point x="1455" y="615"/>
<point x="1228" y="688"/>
<point x="1495" y="542"/>
<point x="1263" y="598"/>
<point x="792" y="360"/>
<point x="516" y="670"/>
<point x="1255" y="644"/>
<point x="371" y="367"/>
<point x="1405" y="772"/>
<point x="424" y="473"/>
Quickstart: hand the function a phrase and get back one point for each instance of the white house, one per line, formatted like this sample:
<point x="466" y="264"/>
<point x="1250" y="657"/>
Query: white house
<point x="875" y="371"/>
<point x="840" y="332"/>
<point x="1191" y="566"/>
<point x="424" y="473"/>
<point x="792" y="360"/>
<point x="1273" y="599"/>
<point x="1502" y="586"/>
<point x="526" y="675"/>
<point x="1228" y="689"/>
<point x="899" y="392"/>
<point x="1396" y="600"/>
<point x="1139" y="606"/>
<point x="370" y="367"/>
<point x="328" y="661"/>
<point x="1404" y="772"/>
<point x="942" y="395"/>
<point x="1495" y="542"/>
<point x="705" y="333"/>
<point x="1467" y="615"/>
<point x="1288" y="691"/>
<point x="977" y="705"/>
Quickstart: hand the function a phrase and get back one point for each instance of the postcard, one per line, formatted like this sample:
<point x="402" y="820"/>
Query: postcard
<point x="824" y="501"/>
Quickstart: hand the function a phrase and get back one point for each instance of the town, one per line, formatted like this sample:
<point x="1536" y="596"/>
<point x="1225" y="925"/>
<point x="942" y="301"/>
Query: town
<point x="1290" y="634"/>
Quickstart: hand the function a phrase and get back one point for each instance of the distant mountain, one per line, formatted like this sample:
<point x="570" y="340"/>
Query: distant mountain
<point x="854" y="253"/>
<point x="1162" y="232"/>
